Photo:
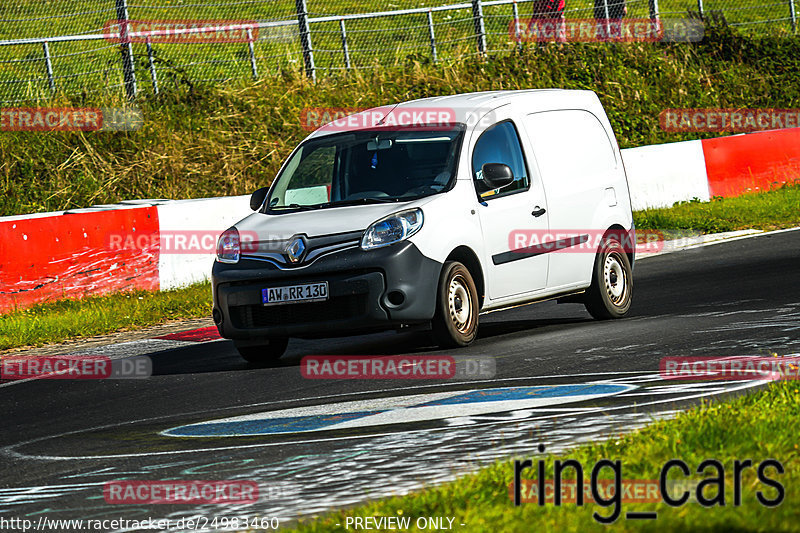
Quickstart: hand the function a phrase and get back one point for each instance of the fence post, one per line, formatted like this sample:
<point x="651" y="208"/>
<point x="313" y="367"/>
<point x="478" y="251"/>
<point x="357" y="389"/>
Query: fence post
<point x="49" y="66"/>
<point x="432" y="36"/>
<point x="253" y="65"/>
<point x="515" y="15"/>
<point x="344" y="44"/>
<point x="654" y="10"/>
<point x="126" y="48"/>
<point x="608" y="16"/>
<point x="480" y="30"/>
<point x="793" y="14"/>
<point x="700" y="9"/>
<point x="152" y="66"/>
<point x="305" y="39"/>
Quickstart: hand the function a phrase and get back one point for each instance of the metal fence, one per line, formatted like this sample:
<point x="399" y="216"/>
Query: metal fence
<point x="78" y="46"/>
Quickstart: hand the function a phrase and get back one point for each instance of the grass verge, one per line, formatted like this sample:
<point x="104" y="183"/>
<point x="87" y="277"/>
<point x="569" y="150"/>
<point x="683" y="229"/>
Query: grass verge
<point x="776" y="209"/>
<point x="200" y="140"/>
<point x="66" y="319"/>
<point x="757" y="427"/>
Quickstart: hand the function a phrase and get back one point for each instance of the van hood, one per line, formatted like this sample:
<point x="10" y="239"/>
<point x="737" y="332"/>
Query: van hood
<point x="317" y="223"/>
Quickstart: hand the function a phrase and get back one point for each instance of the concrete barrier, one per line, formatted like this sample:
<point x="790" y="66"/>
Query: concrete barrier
<point x="205" y="218"/>
<point x="662" y="174"/>
<point x="50" y="256"/>
<point x="110" y="248"/>
<point x="752" y="162"/>
<point x="66" y="255"/>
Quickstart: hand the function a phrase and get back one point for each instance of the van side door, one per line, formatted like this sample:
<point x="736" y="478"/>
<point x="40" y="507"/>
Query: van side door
<point x="504" y="212"/>
<point x="579" y="168"/>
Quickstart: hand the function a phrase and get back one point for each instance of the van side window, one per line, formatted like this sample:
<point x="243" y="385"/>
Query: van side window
<point x="316" y="168"/>
<point x="499" y="144"/>
<point x="314" y="176"/>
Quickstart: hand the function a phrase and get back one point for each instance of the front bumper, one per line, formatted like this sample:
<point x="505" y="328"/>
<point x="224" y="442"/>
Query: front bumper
<point x="364" y="290"/>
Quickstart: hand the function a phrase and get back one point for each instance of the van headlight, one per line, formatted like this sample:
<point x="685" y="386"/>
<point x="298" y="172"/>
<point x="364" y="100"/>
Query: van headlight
<point x="228" y="246"/>
<point x="394" y="228"/>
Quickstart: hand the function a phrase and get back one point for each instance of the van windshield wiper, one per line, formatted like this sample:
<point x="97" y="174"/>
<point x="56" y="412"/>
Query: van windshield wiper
<point x="362" y="201"/>
<point x="297" y="207"/>
<point x="339" y="203"/>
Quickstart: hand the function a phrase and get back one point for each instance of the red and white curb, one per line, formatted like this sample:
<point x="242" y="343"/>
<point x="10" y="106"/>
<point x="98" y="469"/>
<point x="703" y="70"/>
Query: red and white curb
<point x="156" y="344"/>
<point x="124" y="350"/>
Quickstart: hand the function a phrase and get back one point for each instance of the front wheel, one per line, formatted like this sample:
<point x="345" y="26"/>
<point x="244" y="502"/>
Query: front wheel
<point x="264" y="354"/>
<point x="611" y="291"/>
<point x="455" y="322"/>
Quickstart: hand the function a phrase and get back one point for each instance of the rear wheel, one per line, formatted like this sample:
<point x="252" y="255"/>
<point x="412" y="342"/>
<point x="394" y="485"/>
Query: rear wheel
<point x="455" y="322"/>
<point x="264" y="354"/>
<point x="611" y="291"/>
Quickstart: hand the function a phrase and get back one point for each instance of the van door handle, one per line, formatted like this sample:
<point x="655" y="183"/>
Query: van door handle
<point x="538" y="211"/>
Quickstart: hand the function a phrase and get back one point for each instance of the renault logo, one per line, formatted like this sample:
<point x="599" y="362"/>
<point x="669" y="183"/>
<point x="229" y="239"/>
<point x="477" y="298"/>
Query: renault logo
<point x="296" y="249"/>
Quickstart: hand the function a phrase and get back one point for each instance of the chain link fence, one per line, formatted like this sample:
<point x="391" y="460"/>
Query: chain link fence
<point x="73" y="47"/>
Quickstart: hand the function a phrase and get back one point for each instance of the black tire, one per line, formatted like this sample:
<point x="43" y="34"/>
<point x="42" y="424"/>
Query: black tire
<point x="611" y="291"/>
<point x="264" y="354"/>
<point x="455" y="322"/>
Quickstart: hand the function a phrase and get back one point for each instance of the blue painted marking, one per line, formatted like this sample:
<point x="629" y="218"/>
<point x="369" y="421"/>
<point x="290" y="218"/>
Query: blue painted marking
<point x="309" y="423"/>
<point x="267" y="426"/>
<point x="525" y="393"/>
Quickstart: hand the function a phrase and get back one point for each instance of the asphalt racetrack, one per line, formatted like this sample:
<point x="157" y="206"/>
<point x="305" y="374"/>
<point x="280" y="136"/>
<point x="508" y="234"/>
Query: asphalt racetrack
<point x="562" y="378"/>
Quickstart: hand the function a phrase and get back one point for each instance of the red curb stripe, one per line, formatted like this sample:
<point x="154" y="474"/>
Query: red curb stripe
<point x="195" y="335"/>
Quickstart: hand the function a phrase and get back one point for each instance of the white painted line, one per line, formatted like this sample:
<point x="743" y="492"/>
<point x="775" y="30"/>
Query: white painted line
<point x="10" y="451"/>
<point x="122" y="350"/>
<point x="408" y="409"/>
<point x="639" y="373"/>
<point x="710" y="239"/>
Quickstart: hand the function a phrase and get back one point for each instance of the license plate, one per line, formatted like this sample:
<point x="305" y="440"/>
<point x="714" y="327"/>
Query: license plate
<point x="306" y="292"/>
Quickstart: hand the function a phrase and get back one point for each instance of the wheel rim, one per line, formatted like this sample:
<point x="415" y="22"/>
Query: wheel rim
<point x="459" y="303"/>
<point x="616" y="279"/>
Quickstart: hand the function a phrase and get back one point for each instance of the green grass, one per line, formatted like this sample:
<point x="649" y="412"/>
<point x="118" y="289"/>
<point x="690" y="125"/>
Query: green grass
<point x="757" y="427"/>
<point x="200" y="140"/>
<point x="385" y="39"/>
<point x="770" y="210"/>
<point x="68" y="319"/>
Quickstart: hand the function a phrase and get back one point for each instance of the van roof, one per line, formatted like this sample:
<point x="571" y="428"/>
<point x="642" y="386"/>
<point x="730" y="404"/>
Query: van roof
<point x="460" y="108"/>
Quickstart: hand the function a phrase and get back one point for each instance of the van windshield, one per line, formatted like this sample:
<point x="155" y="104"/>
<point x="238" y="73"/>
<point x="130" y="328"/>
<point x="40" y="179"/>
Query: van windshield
<point x="367" y="167"/>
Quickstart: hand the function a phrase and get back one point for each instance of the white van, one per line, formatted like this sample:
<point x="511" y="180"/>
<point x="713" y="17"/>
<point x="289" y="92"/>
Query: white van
<point x="429" y="213"/>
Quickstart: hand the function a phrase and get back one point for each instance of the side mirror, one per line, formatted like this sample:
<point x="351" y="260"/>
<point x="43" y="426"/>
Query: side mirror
<point x="257" y="198"/>
<point x="497" y="175"/>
